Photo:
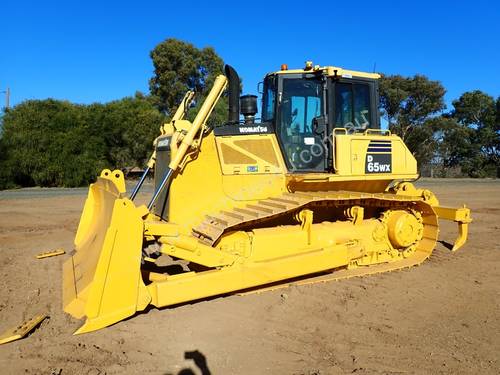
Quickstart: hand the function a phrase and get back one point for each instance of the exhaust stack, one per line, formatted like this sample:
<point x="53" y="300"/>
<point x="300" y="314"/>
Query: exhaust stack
<point x="233" y="116"/>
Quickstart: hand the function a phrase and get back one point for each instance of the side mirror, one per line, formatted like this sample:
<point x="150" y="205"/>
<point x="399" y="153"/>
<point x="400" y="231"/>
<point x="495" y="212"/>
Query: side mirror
<point x="260" y="87"/>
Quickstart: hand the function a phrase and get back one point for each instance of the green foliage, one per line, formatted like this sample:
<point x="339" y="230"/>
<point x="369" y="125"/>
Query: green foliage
<point x="467" y="137"/>
<point x="40" y="137"/>
<point x="475" y="140"/>
<point x="128" y="128"/>
<point x="179" y="67"/>
<point x="409" y="103"/>
<point x="57" y="143"/>
<point x="219" y="113"/>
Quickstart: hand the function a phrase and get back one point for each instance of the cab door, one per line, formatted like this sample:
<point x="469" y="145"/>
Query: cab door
<point x="352" y="108"/>
<point x="301" y="100"/>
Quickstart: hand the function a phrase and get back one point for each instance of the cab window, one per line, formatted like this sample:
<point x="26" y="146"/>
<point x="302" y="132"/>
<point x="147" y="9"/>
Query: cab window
<point x="352" y="106"/>
<point x="301" y="101"/>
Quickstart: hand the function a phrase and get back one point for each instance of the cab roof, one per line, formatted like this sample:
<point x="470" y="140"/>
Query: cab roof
<point x="329" y="71"/>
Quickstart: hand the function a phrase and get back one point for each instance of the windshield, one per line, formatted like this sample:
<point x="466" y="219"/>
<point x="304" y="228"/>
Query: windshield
<point x="301" y="101"/>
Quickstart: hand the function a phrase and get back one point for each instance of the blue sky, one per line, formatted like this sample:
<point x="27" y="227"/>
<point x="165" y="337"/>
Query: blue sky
<point x="97" y="51"/>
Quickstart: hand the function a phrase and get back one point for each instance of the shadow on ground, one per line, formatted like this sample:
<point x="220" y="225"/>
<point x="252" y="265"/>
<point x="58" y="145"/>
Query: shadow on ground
<point x="199" y="360"/>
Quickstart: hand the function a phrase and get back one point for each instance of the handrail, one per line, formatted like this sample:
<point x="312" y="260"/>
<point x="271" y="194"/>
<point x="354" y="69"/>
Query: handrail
<point x="379" y="131"/>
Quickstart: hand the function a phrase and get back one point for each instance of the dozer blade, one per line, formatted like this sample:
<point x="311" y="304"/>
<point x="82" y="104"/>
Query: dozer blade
<point x="102" y="280"/>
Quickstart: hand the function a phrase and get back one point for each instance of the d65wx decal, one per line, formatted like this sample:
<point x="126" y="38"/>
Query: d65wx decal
<point x="378" y="163"/>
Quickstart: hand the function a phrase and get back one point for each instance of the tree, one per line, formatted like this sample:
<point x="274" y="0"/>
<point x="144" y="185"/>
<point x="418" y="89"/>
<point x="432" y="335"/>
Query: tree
<point x="497" y="125"/>
<point x="452" y="141"/>
<point x="179" y="67"/>
<point x="46" y="143"/>
<point x="475" y="140"/>
<point x="128" y="127"/>
<point x="409" y="103"/>
<point x="57" y="143"/>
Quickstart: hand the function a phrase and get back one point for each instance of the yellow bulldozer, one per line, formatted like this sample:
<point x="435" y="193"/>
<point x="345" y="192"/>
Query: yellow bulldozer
<point x="316" y="189"/>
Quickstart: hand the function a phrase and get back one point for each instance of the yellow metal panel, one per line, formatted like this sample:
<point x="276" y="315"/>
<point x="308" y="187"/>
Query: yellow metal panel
<point x="262" y="147"/>
<point x="358" y="155"/>
<point x="249" y="154"/>
<point x="197" y="189"/>
<point x="188" y="204"/>
<point x="351" y="152"/>
<point x="230" y="155"/>
<point x="401" y="158"/>
<point x="332" y="182"/>
<point x="343" y="155"/>
<point x="190" y="287"/>
<point x="278" y="242"/>
<point x="251" y="188"/>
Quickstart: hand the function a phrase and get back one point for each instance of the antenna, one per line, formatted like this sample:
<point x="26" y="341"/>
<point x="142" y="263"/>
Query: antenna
<point x="374" y="66"/>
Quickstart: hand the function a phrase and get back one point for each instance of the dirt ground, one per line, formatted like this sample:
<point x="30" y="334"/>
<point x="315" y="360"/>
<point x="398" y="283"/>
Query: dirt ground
<point x="442" y="317"/>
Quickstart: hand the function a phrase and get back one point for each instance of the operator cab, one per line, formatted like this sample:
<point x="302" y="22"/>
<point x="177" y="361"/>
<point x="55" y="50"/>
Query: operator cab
<point x="306" y="106"/>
